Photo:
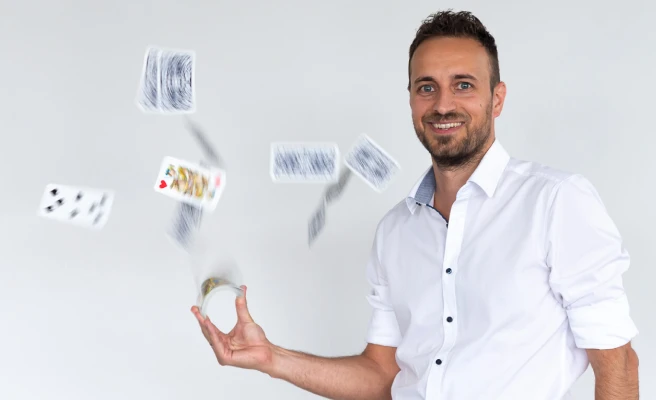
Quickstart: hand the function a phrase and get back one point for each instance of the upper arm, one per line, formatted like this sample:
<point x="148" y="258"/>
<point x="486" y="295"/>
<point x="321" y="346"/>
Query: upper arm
<point x="385" y="357"/>
<point x="586" y="258"/>
<point x="383" y="327"/>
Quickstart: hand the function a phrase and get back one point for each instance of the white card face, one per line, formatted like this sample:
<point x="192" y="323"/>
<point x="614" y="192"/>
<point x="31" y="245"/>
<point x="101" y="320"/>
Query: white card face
<point x="371" y="163"/>
<point x="168" y="83"/>
<point x="78" y="206"/>
<point x="304" y="162"/>
<point x="190" y="183"/>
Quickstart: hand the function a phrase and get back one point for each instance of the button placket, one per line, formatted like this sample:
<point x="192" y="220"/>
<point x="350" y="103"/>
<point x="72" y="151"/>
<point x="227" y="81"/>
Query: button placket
<point x="453" y="245"/>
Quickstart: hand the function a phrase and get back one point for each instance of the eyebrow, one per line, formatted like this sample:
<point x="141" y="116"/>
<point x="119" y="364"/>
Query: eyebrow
<point x="455" y="77"/>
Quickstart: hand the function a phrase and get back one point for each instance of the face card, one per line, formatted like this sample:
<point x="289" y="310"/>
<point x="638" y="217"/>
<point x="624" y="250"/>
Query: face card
<point x="304" y="162"/>
<point x="148" y="97"/>
<point x="371" y="163"/>
<point x="79" y="206"/>
<point x="317" y="223"/>
<point x="190" y="183"/>
<point x="177" y="81"/>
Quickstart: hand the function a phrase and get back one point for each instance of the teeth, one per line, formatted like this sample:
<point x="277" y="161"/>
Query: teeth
<point x="447" y="126"/>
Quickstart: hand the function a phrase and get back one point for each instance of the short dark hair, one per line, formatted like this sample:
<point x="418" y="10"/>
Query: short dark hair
<point x="462" y="24"/>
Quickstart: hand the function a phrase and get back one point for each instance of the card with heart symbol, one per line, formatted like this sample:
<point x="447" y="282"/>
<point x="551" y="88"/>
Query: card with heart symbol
<point x="190" y="183"/>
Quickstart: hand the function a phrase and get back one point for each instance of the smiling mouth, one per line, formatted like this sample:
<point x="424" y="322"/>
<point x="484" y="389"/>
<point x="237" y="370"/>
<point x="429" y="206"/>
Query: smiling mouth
<point x="447" y="126"/>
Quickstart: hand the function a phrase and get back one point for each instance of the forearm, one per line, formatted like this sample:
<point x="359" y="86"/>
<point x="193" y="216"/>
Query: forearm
<point x="619" y="382"/>
<point x="345" y="378"/>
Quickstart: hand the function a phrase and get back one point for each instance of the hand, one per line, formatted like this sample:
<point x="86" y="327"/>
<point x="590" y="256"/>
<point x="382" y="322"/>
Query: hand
<point x="245" y="346"/>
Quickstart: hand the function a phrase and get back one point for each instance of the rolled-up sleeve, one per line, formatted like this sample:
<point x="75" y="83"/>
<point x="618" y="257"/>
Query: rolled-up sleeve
<point x="587" y="259"/>
<point x="383" y="327"/>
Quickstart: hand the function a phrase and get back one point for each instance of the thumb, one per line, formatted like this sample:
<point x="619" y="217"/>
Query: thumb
<point x="242" y="308"/>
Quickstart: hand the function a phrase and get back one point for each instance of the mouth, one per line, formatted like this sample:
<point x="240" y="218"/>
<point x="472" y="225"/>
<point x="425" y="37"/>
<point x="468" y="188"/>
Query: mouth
<point x="446" y="128"/>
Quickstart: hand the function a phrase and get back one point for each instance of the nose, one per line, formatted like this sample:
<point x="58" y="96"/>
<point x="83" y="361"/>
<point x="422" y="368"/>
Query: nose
<point x="444" y="102"/>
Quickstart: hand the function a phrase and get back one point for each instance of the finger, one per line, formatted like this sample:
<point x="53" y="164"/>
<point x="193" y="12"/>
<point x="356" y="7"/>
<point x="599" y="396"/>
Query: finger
<point x="242" y="308"/>
<point x="201" y="322"/>
<point x="216" y="341"/>
<point x="197" y="314"/>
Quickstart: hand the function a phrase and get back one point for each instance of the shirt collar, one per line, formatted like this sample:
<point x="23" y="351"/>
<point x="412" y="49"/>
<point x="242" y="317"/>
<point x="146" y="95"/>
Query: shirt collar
<point x="486" y="175"/>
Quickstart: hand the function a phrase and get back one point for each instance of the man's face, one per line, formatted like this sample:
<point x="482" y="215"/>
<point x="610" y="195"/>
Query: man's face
<point x="452" y="105"/>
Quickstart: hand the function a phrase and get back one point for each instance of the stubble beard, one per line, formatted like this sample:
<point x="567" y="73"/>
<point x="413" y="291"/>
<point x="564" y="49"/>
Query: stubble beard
<point x="455" y="152"/>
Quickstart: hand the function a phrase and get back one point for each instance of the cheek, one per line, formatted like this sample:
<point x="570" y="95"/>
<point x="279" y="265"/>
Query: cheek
<point x="419" y="109"/>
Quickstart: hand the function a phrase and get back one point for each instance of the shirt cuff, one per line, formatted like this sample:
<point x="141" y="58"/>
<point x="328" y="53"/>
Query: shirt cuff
<point x="383" y="329"/>
<point x="604" y="325"/>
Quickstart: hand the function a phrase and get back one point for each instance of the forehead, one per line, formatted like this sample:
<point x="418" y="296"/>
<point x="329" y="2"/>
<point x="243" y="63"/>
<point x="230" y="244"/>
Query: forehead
<point x="445" y="56"/>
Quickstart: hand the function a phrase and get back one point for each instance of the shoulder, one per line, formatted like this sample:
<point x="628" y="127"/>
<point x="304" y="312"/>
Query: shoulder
<point x="547" y="179"/>
<point x="557" y="192"/>
<point x="523" y="170"/>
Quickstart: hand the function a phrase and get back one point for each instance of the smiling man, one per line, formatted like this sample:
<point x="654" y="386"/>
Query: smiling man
<point x="496" y="278"/>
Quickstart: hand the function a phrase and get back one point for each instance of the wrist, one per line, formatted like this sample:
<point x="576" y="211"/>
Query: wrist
<point x="276" y="364"/>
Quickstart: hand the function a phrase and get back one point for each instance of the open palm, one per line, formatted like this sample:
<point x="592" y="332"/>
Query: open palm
<point x="245" y="346"/>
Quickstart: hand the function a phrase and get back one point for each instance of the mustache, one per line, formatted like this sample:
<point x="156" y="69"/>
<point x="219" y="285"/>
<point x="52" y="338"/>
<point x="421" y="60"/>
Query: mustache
<point x="437" y="118"/>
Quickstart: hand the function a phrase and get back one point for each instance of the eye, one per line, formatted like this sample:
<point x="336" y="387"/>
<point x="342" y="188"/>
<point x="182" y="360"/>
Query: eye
<point x="426" y="88"/>
<point x="464" y="85"/>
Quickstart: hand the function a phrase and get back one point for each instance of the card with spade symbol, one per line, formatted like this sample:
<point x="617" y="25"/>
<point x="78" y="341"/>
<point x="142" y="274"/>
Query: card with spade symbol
<point x="79" y="206"/>
<point x="191" y="183"/>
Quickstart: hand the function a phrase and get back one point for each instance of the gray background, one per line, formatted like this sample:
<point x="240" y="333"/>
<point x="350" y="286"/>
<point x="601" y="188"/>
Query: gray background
<point x="105" y="315"/>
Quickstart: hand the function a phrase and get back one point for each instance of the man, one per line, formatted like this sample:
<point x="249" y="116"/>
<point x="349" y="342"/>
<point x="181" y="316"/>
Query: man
<point x="495" y="279"/>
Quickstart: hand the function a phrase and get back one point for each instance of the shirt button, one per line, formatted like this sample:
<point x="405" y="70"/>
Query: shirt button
<point x="449" y="319"/>
<point x="448" y="270"/>
<point x="438" y="362"/>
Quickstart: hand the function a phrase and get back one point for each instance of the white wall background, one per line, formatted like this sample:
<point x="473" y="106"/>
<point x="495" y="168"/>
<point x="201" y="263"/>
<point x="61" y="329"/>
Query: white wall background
<point x="105" y="315"/>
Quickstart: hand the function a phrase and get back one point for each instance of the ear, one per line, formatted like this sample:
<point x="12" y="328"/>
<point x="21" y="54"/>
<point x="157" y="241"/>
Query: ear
<point x="498" y="98"/>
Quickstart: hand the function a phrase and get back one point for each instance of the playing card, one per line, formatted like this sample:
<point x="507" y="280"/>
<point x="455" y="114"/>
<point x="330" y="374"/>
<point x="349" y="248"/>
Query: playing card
<point x="304" y="162"/>
<point x="211" y="156"/>
<point x="79" y="206"/>
<point x="186" y="224"/>
<point x="371" y="163"/>
<point x="335" y="190"/>
<point x="148" y="97"/>
<point x="167" y="82"/>
<point x="317" y="223"/>
<point x="212" y="285"/>
<point x="191" y="183"/>
<point x="177" y="81"/>
<point x="213" y="271"/>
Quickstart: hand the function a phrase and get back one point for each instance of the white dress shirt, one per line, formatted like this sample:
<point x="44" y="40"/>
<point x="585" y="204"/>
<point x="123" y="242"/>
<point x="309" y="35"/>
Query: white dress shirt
<point x="501" y="301"/>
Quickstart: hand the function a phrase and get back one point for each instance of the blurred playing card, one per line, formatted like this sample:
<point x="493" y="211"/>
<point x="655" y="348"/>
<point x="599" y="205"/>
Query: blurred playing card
<point x="371" y="163"/>
<point x="212" y="285"/>
<point x="304" y="162"/>
<point x="177" y="81"/>
<point x="167" y="82"/>
<point x="186" y="224"/>
<point x="213" y="271"/>
<point x="317" y="223"/>
<point x="334" y="191"/>
<point x="190" y="183"/>
<point x="211" y="156"/>
<point x="79" y="206"/>
<point x="148" y="97"/>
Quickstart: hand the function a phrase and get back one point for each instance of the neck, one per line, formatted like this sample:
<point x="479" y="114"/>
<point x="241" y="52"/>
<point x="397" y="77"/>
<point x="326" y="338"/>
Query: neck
<point x="449" y="180"/>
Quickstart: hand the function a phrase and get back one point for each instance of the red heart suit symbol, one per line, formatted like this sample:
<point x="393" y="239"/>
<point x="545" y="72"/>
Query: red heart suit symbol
<point x="162" y="184"/>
